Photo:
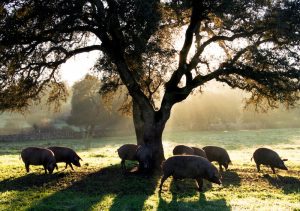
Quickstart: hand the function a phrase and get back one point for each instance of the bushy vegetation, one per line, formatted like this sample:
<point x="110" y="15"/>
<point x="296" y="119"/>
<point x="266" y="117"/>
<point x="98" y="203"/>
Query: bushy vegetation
<point x="100" y="185"/>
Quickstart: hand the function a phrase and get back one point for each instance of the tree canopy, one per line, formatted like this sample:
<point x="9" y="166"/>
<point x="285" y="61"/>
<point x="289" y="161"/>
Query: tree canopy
<point x="257" y="42"/>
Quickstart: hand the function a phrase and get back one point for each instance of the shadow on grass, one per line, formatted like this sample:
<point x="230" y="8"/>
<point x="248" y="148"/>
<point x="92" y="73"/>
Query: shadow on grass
<point x="187" y="187"/>
<point x="286" y="183"/>
<point x="104" y="189"/>
<point x="185" y="196"/>
<point x="31" y="180"/>
<point x="230" y="177"/>
<point x="179" y="202"/>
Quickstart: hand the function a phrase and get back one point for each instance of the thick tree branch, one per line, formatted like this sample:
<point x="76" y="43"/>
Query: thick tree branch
<point x="116" y="51"/>
<point x="193" y="27"/>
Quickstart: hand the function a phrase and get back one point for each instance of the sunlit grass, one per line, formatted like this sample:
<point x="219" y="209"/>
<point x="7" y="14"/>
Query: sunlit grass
<point x="100" y="185"/>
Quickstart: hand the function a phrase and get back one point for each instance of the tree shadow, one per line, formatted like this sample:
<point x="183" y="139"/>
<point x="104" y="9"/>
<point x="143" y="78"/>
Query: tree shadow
<point x="190" y="186"/>
<point x="187" y="187"/>
<point x="30" y="180"/>
<point x="286" y="183"/>
<point x="184" y="192"/>
<point x="229" y="178"/>
<point x="179" y="202"/>
<point x="93" y="188"/>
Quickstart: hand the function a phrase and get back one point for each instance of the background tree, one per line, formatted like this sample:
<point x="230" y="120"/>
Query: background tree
<point x="258" y="43"/>
<point x="88" y="110"/>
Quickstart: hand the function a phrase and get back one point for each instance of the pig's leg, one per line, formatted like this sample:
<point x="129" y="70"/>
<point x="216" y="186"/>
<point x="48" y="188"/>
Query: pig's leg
<point x="27" y="167"/>
<point x="123" y="165"/>
<point x="200" y="184"/>
<point x="163" y="179"/>
<point x="273" y="169"/>
<point x="45" y="169"/>
<point x="226" y="167"/>
<point x="220" y="166"/>
<point x="70" y="164"/>
<point x="258" y="167"/>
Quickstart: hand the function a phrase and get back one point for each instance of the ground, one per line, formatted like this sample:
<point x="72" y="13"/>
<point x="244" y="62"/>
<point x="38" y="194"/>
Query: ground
<point x="100" y="185"/>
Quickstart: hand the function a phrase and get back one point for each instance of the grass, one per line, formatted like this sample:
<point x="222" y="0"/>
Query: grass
<point x="100" y="185"/>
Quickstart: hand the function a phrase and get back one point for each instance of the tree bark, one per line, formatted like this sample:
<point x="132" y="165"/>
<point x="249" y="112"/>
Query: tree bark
<point x="153" y="139"/>
<point x="138" y="122"/>
<point x="149" y="127"/>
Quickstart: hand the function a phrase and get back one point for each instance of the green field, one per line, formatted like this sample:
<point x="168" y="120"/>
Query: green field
<point x="100" y="185"/>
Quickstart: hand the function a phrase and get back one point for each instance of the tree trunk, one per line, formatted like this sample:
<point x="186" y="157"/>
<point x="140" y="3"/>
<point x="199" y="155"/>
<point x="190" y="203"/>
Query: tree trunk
<point x="149" y="124"/>
<point x="153" y="138"/>
<point x="149" y="127"/>
<point x="138" y="122"/>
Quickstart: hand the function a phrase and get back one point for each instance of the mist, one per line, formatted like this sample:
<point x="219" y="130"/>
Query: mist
<point x="224" y="109"/>
<point x="219" y="109"/>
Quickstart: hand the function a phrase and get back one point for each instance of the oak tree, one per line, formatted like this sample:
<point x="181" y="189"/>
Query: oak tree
<point x="257" y="40"/>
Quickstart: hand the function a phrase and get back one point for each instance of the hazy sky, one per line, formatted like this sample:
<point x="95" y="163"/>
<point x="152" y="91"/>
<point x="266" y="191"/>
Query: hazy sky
<point x="78" y="66"/>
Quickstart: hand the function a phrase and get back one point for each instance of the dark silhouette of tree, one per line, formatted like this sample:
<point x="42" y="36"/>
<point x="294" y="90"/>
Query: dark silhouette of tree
<point x="258" y="42"/>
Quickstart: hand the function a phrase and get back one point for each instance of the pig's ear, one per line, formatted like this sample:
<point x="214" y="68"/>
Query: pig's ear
<point x="285" y="159"/>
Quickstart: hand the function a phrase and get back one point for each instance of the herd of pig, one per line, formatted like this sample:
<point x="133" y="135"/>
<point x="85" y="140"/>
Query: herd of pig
<point x="187" y="162"/>
<point x="195" y="163"/>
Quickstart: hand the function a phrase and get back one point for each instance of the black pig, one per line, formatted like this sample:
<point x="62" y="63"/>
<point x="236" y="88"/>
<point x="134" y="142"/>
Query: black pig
<point x="199" y="152"/>
<point x="182" y="150"/>
<point x="268" y="157"/>
<point x="39" y="156"/>
<point x="218" y="154"/>
<point x="127" y="152"/>
<point x="186" y="150"/>
<point x="190" y="166"/>
<point x="66" y="155"/>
